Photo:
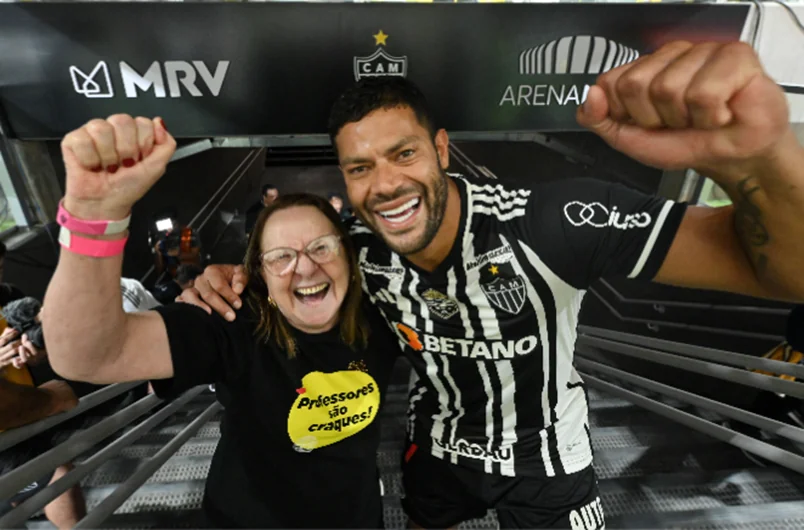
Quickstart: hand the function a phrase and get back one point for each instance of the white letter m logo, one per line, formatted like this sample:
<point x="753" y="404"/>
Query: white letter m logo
<point x="96" y="84"/>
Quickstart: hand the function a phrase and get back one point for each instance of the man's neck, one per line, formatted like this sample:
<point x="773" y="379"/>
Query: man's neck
<point x="439" y="248"/>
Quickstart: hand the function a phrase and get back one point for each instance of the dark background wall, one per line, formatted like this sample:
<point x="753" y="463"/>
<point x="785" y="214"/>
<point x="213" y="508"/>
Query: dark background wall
<point x="185" y="188"/>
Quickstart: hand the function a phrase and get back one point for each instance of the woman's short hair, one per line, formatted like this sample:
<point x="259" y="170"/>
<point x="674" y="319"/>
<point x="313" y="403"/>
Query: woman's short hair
<point x="273" y="325"/>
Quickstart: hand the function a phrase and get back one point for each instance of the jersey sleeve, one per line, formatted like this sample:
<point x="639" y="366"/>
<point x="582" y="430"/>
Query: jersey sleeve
<point x="205" y="348"/>
<point x="588" y="229"/>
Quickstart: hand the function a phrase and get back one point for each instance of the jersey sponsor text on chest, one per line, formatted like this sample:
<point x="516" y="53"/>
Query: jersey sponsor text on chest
<point x="474" y="349"/>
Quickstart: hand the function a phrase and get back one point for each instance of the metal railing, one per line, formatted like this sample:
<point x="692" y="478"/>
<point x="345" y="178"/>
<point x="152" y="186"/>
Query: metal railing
<point x="656" y="324"/>
<point x="15" y="436"/>
<point x="31" y="506"/>
<point x="656" y="304"/>
<point x="594" y="343"/>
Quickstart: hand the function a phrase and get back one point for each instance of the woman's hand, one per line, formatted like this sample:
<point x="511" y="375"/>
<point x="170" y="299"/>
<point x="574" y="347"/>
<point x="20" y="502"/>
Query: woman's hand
<point x="112" y="163"/>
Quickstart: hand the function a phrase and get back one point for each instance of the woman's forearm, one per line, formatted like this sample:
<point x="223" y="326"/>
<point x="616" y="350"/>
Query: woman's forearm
<point x="83" y="312"/>
<point x="109" y="164"/>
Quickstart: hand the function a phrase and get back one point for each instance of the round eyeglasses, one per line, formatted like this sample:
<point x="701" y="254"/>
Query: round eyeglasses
<point x="282" y="261"/>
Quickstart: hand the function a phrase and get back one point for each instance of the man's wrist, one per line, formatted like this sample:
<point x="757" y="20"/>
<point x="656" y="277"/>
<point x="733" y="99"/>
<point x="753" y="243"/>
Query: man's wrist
<point x="778" y="159"/>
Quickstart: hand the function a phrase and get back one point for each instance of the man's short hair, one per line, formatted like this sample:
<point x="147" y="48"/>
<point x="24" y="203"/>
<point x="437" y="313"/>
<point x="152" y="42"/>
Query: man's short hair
<point x="374" y="93"/>
<point x="266" y="188"/>
<point x="186" y="273"/>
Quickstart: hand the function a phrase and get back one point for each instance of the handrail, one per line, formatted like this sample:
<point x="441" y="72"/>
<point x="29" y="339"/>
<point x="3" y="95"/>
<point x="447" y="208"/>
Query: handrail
<point x="223" y="197"/>
<point x="21" y="513"/>
<point x="211" y="198"/>
<point x="15" y="480"/>
<point x="20" y="434"/>
<point x="726" y="373"/>
<point x="695" y="305"/>
<point x="464" y="160"/>
<point x="781" y="429"/>
<point x="752" y="445"/>
<point x="700" y="352"/>
<point x="676" y="325"/>
<point x="107" y="507"/>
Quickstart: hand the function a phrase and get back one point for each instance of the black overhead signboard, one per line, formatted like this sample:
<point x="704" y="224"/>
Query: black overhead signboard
<point x="228" y="69"/>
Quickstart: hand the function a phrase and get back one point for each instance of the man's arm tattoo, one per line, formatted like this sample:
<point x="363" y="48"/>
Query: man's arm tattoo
<point x="749" y="224"/>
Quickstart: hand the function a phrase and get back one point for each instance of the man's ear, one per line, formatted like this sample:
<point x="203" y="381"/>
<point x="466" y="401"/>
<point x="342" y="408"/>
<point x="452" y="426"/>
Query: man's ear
<point x="441" y="142"/>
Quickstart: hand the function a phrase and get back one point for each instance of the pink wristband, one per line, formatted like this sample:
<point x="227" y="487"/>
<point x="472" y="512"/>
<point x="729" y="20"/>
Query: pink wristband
<point x="94" y="248"/>
<point x="93" y="228"/>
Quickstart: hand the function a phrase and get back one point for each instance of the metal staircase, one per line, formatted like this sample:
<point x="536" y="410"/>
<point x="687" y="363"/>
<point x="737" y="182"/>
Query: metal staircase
<point x="654" y="473"/>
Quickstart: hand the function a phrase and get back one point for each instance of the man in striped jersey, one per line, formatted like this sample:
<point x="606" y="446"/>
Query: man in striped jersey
<point x="483" y="283"/>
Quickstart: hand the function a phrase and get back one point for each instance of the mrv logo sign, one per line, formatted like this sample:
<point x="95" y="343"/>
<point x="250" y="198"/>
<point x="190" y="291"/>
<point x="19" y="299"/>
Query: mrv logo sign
<point x="167" y="79"/>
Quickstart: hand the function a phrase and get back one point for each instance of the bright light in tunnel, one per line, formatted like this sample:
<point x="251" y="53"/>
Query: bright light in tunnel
<point x="164" y="225"/>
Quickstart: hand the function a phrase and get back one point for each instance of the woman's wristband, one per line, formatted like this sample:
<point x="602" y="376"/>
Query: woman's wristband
<point x="95" y="248"/>
<point x="93" y="228"/>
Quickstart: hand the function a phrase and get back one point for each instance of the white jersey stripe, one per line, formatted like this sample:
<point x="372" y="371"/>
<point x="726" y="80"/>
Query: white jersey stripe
<point x="439" y="423"/>
<point x="452" y="287"/>
<point x="497" y="190"/>
<point x="506" y="216"/>
<point x="405" y="305"/>
<point x="505" y="373"/>
<point x="502" y="202"/>
<point x="544" y="339"/>
<point x="570" y="432"/>
<point x="654" y="235"/>
<point x="488" y="319"/>
<point x="484" y="375"/>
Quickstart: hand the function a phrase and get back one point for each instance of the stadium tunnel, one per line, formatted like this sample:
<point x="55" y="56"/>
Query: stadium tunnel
<point x="672" y="374"/>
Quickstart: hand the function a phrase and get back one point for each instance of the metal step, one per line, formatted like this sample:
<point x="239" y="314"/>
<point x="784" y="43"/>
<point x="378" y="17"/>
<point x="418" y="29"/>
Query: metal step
<point x="678" y="492"/>
<point x="773" y="516"/>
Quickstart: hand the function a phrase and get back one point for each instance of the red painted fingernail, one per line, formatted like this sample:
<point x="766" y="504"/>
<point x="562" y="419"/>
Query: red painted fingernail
<point x="301" y="390"/>
<point x="129" y="162"/>
<point x="163" y="124"/>
<point x="111" y="169"/>
<point x="97" y="169"/>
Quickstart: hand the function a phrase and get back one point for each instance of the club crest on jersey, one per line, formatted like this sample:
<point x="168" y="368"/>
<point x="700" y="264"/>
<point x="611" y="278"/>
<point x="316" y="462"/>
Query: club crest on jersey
<point x="440" y="304"/>
<point x="507" y="294"/>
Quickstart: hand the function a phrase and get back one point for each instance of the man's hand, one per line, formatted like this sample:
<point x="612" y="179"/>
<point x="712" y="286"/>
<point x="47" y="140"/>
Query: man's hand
<point x="111" y="163"/>
<point x="219" y="289"/>
<point x="702" y="106"/>
<point x="62" y="396"/>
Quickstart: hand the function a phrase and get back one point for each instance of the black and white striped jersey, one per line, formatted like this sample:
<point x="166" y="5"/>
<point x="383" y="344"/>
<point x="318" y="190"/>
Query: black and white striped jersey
<point x="491" y="332"/>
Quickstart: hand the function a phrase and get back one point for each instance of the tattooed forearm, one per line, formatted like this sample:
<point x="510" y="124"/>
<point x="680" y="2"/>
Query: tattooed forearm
<point x="750" y="225"/>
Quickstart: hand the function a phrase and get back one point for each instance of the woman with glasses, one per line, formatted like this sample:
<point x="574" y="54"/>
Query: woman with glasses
<point x="301" y="372"/>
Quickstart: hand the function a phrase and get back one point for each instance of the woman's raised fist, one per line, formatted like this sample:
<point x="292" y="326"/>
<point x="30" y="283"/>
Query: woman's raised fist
<point x="112" y="163"/>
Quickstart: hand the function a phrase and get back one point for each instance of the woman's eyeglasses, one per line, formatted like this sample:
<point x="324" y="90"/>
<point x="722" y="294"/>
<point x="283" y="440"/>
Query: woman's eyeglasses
<point x="282" y="261"/>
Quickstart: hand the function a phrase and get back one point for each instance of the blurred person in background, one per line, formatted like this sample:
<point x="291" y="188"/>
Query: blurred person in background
<point x="336" y="200"/>
<point x="268" y="195"/>
<point x="23" y="402"/>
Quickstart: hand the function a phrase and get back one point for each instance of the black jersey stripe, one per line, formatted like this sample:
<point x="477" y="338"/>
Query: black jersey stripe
<point x="545" y="294"/>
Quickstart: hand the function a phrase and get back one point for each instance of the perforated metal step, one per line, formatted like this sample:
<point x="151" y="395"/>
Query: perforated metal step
<point x="774" y="516"/>
<point x="687" y="491"/>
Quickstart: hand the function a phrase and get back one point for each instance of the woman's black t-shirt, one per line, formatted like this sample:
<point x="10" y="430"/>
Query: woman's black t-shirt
<point x="299" y="436"/>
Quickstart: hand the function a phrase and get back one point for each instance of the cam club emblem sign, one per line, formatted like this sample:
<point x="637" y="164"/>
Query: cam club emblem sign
<point x="380" y="63"/>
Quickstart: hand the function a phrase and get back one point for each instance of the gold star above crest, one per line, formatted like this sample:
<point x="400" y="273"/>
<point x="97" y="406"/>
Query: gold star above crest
<point x="494" y="270"/>
<point x="380" y="38"/>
